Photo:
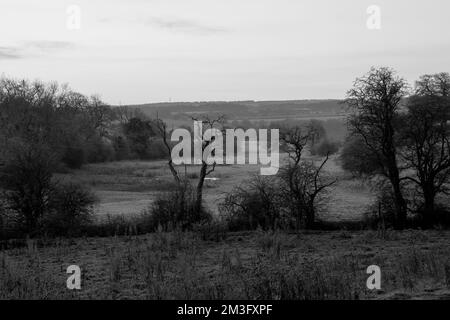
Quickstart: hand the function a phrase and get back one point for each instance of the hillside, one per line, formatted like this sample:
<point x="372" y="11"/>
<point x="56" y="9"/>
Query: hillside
<point x="246" y="110"/>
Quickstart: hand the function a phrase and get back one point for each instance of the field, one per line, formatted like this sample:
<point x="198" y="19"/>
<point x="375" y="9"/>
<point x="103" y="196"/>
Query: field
<point x="128" y="187"/>
<point x="256" y="265"/>
<point x="214" y="264"/>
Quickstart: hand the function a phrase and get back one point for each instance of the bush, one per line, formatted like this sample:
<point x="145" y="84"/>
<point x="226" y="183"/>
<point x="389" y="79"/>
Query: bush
<point x="176" y="209"/>
<point x="70" y="210"/>
<point x="252" y="205"/>
<point x="99" y="151"/>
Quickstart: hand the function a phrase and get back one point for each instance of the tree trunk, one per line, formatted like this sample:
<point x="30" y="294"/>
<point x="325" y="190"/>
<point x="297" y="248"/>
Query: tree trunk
<point x="428" y="210"/>
<point x="199" y="191"/>
<point x="400" y="204"/>
<point x="310" y="216"/>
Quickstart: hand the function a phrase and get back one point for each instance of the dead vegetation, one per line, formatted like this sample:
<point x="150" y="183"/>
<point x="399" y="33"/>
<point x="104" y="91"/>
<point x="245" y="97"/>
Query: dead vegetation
<point x="256" y="265"/>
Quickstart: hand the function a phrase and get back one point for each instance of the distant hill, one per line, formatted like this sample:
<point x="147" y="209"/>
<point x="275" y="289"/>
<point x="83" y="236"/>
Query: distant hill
<point x="246" y="110"/>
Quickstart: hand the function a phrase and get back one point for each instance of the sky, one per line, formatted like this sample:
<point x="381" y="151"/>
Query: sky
<point x="141" y="51"/>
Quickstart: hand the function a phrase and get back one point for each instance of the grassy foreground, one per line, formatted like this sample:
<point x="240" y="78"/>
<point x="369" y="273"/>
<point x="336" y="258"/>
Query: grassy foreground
<point x="253" y="265"/>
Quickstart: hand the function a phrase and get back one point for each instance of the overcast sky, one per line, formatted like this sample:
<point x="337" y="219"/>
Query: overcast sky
<point x="139" y="51"/>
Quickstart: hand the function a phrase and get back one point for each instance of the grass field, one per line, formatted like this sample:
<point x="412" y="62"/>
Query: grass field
<point x="128" y="187"/>
<point x="245" y="265"/>
<point x="254" y="265"/>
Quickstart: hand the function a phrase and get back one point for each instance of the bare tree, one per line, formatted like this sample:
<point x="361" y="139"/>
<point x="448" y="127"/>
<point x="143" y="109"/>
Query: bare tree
<point x="434" y="85"/>
<point x="375" y="101"/>
<point x="295" y="140"/>
<point x="427" y="139"/>
<point x="162" y="131"/>
<point x="205" y="168"/>
<point x="303" y="185"/>
<point x="303" y="181"/>
<point x="125" y="113"/>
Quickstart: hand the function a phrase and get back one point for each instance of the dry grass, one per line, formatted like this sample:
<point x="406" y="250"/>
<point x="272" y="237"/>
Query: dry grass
<point x="258" y="265"/>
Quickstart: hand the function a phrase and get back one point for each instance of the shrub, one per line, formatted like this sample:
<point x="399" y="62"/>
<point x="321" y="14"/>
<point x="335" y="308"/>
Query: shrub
<point x="254" y="204"/>
<point x="176" y="209"/>
<point x="99" y="151"/>
<point x="70" y="209"/>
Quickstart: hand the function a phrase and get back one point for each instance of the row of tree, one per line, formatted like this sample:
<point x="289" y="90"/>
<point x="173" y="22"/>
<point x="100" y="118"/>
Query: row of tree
<point x="402" y="135"/>
<point x="45" y="128"/>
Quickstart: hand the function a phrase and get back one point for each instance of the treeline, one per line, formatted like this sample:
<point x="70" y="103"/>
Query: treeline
<point x="398" y="137"/>
<point x="47" y="128"/>
<point x="403" y="137"/>
<point x="77" y="128"/>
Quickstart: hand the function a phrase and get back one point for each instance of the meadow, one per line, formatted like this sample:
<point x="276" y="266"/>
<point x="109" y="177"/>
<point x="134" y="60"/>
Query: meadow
<point x="216" y="264"/>
<point x="246" y="265"/>
<point x="128" y="187"/>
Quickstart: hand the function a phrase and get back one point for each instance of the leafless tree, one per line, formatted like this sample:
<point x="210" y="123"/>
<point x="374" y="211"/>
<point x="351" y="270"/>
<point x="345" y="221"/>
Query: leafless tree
<point x="303" y="181"/>
<point x="434" y="85"/>
<point x="294" y="140"/>
<point x="375" y="104"/>
<point x="206" y="169"/>
<point x="125" y="113"/>
<point x="162" y="131"/>
<point x="427" y="138"/>
<point x="303" y="184"/>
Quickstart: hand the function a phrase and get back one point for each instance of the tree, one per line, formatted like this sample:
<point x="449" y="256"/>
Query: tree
<point x="434" y="85"/>
<point x="302" y="182"/>
<point x="27" y="180"/>
<point x="69" y="122"/>
<point x="375" y="104"/>
<point x="206" y="169"/>
<point x="302" y="186"/>
<point x="294" y="141"/>
<point x="427" y="139"/>
<point x="161" y="130"/>
<point x="357" y="158"/>
<point x="139" y="133"/>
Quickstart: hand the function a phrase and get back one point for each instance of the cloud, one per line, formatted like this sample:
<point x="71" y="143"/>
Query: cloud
<point x="177" y="25"/>
<point x="32" y="48"/>
<point x="49" y="45"/>
<point x="183" y="26"/>
<point x="8" y="53"/>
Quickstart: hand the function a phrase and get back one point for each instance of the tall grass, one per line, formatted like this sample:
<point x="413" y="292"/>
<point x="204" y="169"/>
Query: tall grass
<point x="180" y="265"/>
